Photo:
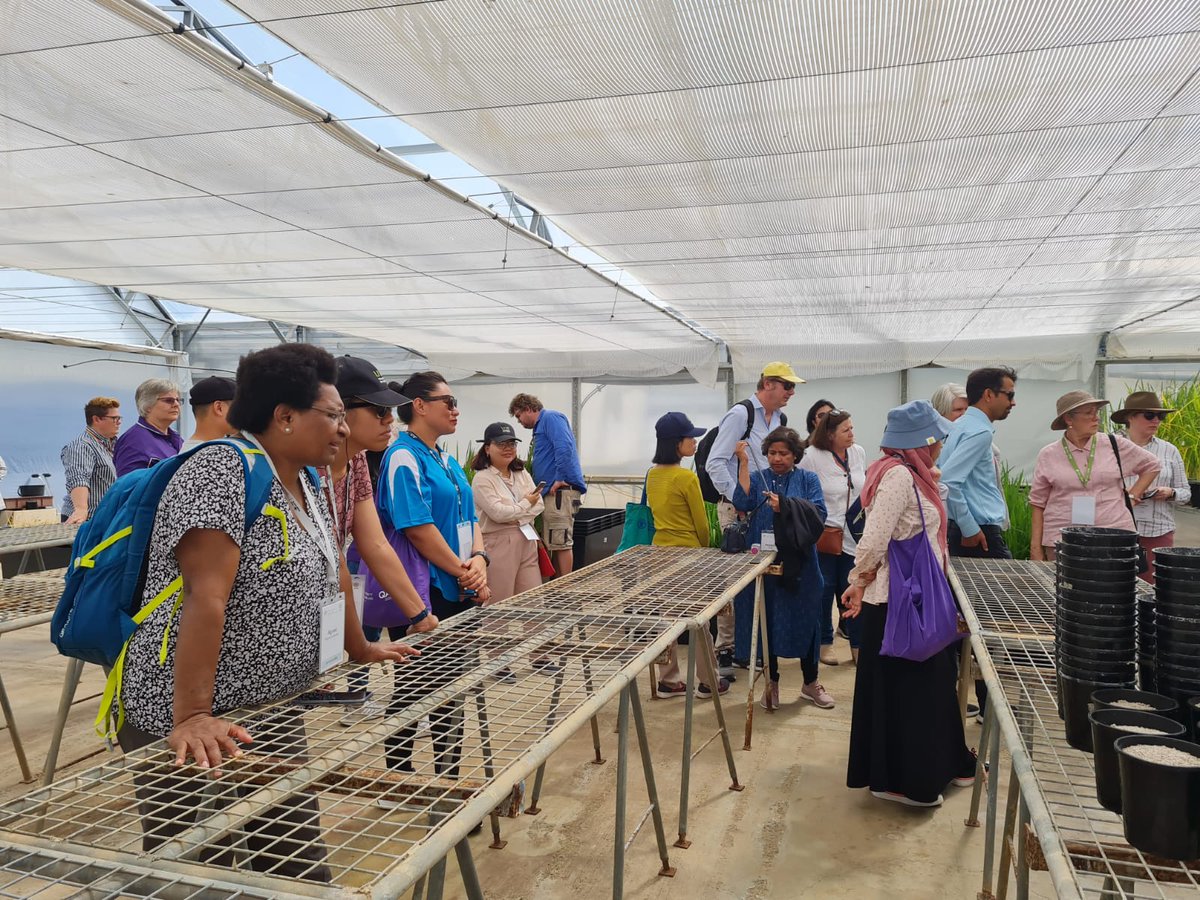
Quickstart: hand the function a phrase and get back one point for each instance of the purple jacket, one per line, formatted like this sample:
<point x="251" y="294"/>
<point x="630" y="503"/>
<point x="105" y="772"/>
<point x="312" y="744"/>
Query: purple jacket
<point x="142" y="443"/>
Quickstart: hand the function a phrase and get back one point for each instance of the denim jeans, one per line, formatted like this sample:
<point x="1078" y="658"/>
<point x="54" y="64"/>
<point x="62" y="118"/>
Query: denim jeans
<point x="835" y="570"/>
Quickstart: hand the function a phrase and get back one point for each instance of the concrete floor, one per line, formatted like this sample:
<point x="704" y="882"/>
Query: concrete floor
<point x="795" y="831"/>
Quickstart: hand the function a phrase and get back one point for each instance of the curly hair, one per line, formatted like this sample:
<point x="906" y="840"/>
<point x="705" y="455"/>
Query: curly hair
<point x="523" y="402"/>
<point x="785" y="435"/>
<point x="291" y="374"/>
<point x="418" y="386"/>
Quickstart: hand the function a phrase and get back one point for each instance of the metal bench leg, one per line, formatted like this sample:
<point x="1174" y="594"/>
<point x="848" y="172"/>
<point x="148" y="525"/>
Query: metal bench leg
<point x="466" y="868"/>
<point x="18" y="747"/>
<point x="70" y="684"/>
<point x="622" y="780"/>
<point x="660" y="831"/>
<point x="758" y="620"/>
<point x="685" y="776"/>
<point x="985" y="736"/>
<point x="1006" y="840"/>
<point x="964" y="675"/>
<point x="710" y="663"/>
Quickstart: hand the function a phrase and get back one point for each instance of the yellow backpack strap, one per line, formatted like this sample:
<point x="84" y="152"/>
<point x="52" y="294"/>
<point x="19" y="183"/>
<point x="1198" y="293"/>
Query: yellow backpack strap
<point x="276" y="513"/>
<point x="111" y="716"/>
<point x="88" y="560"/>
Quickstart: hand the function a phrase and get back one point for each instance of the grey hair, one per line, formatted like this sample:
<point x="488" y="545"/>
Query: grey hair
<point x="943" y="398"/>
<point x="150" y="390"/>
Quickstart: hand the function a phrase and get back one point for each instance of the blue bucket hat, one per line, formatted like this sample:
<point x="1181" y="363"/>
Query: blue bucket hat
<point x="915" y="424"/>
<point x="677" y="426"/>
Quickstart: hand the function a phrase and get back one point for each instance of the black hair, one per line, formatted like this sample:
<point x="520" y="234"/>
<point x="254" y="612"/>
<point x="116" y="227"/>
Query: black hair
<point x="989" y="379"/>
<point x="810" y="420"/>
<point x="481" y="461"/>
<point x="785" y="435"/>
<point x="822" y="435"/>
<point x="666" y="451"/>
<point x="290" y="374"/>
<point x="419" y="386"/>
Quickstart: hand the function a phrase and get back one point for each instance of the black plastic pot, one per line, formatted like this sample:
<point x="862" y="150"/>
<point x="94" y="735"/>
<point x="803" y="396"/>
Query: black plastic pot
<point x="1165" y="621"/>
<point x="1147" y="678"/>
<point x="1125" y="677"/>
<point x="1179" y="645"/>
<point x="1163" y="706"/>
<point x="1119" y="584"/>
<point x="1075" y="696"/>
<point x="1099" y="566"/>
<point x="1175" y="574"/>
<point x="1110" y="628"/>
<point x="1075" y="617"/>
<point x="1160" y="804"/>
<point x="1087" y="536"/>
<point x="1193" y="713"/>
<point x="1103" y="660"/>
<point x="1180" y="557"/>
<point x="1106" y="728"/>
<point x="1180" y="606"/>
<point x="1183" y="660"/>
<point x="1082" y="645"/>
<point x="1183" y="588"/>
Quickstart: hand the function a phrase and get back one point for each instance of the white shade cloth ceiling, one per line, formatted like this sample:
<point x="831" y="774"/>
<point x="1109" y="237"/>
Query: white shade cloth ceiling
<point x="865" y="185"/>
<point x="136" y="157"/>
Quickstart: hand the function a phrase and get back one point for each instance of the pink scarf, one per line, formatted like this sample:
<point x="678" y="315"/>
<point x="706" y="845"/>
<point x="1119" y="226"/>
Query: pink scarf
<point x="918" y="462"/>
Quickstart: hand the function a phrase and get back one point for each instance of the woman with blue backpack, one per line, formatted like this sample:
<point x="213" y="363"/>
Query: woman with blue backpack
<point x="242" y="597"/>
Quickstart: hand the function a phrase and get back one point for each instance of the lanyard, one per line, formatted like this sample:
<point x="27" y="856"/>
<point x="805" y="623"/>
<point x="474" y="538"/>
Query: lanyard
<point x="347" y="503"/>
<point x="436" y="453"/>
<point x="326" y="542"/>
<point x="1084" y="477"/>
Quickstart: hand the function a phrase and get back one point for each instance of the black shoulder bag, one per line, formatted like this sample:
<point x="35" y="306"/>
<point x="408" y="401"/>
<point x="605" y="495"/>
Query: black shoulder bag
<point x="1143" y="561"/>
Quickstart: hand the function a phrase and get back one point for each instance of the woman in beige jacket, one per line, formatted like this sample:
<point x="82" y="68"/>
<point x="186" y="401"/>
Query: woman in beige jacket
<point x="506" y="502"/>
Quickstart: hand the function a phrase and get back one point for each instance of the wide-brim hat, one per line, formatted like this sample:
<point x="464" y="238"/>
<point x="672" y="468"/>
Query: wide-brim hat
<point x="1140" y="401"/>
<point x="913" y="425"/>
<point x="1069" y="401"/>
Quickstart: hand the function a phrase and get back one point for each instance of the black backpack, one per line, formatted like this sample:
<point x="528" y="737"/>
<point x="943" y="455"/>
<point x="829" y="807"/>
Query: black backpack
<point x="707" y="489"/>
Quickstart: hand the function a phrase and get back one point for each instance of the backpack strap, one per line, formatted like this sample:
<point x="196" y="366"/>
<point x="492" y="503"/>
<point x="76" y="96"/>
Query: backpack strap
<point x="749" y="418"/>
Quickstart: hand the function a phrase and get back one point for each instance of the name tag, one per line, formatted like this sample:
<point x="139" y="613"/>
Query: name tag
<point x="1083" y="510"/>
<point x="530" y="534"/>
<point x="767" y="542"/>
<point x="466" y="540"/>
<point x="333" y="631"/>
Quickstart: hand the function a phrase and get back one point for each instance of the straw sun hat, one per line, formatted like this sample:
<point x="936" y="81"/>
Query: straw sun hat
<point x="1072" y="400"/>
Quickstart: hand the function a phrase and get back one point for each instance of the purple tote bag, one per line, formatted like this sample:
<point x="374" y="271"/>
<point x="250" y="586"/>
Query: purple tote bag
<point x="922" y="616"/>
<point x="379" y="610"/>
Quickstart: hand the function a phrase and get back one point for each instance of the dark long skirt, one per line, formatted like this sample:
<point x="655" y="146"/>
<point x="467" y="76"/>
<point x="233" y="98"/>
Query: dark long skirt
<point x="906" y="733"/>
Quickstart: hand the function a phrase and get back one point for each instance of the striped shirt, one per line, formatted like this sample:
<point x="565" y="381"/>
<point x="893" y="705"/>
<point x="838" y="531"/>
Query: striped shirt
<point x="1156" y="517"/>
<point x="88" y="462"/>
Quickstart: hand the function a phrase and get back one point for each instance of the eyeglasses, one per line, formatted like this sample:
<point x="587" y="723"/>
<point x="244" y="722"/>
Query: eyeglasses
<point x="116" y="419"/>
<point x="505" y="445"/>
<point x="337" y="417"/>
<point x="1154" y="416"/>
<point x="172" y="401"/>
<point x="449" y="399"/>
<point x="381" y="412"/>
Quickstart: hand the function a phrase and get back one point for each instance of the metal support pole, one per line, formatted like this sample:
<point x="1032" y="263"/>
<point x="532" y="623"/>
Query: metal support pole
<point x="534" y="809"/>
<point x="758" y="620"/>
<point x="985" y="736"/>
<point x="598" y="760"/>
<point x="660" y="832"/>
<point x="577" y="412"/>
<point x="436" y="883"/>
<point x="622" y="779"/>
<point x="466" y="868"/>
<point x="1022" y="860"/>
<point x="964" y="675"/>
<point x="710" y="663"/>
<point x="730" y="388"/>
<point x="1010" y="816"/>
<point x="685" y="776"/>
<point x="904" y="385"/>
<point x="70" y="683"/>
<point x="18" y="747"/>
<point x="993" y="791"/>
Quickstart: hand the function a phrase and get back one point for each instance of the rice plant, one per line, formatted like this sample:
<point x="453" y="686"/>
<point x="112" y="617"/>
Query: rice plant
<point x="714" y="525"/>
<point x="1020" y="519"/>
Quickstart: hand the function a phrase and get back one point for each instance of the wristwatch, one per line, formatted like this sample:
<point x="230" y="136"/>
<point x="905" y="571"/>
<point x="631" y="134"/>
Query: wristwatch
<point x="487" y="560"/>
<point x="419" y="617"/>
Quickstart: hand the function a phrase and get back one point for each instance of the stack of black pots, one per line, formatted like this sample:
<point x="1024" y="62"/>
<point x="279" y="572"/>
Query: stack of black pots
<point x="1177" y="622"/>
<point x="1147" y="642"/>
<point x="1095" y="624"/>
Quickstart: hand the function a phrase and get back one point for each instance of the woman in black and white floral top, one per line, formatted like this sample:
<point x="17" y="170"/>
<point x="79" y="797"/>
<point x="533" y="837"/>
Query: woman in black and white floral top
<point x="248" y="631"/>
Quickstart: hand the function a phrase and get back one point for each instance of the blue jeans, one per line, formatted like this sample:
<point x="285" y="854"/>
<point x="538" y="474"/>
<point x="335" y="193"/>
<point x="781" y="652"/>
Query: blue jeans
<point x="835" y="570"/>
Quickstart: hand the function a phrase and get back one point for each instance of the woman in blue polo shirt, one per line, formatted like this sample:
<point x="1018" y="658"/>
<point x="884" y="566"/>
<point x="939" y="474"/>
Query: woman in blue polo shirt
<point x="424" y="493"/>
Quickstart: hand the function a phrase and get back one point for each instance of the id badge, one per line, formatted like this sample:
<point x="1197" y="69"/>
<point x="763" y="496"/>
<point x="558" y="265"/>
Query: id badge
<point x="767" y="542"/>
<point x="530" y="534"/>
<point x="1083" y="510"/>
<point x="359" y="585"/>
<point x="333" y="631"/>
<point x="466" y="540"/>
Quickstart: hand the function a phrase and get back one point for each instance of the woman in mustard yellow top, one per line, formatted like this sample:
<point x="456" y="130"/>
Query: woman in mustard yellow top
<point x="673" y="495"/>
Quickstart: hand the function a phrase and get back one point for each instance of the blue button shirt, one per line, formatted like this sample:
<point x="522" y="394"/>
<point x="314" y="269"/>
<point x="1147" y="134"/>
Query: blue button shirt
<point x="969" y="474"/>
<point x="420" y="486"/>
<point x="555" y="457"/>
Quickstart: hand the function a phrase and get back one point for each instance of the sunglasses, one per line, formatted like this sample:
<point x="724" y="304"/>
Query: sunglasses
<point x="1011" y="395"/>
<point x="449" y="399"/>
<point x="381" y="412"/>
<point x="1154" y="416"/>
<point x="787" y="385"/>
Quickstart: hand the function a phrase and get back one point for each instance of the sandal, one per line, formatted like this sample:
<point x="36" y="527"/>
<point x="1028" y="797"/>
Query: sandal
<point x="672" y="688"/>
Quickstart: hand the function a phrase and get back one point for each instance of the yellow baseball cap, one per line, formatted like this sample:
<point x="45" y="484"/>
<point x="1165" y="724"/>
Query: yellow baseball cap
<point x="782" y="371"/>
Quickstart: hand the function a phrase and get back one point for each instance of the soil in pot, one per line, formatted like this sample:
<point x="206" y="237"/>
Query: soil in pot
<point x="1110" y="724"/>
<point x="1160" y="794"/>
<point x="1135" y="701"/>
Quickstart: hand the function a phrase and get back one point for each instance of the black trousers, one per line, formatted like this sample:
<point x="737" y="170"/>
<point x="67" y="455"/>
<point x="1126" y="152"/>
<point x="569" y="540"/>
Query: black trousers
<point x="284" y="840"/>
<point x="445" y="722"/>
<point x="996" y="549"/>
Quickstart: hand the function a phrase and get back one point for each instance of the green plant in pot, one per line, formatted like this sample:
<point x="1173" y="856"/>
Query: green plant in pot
<point x="1020" y="520"/>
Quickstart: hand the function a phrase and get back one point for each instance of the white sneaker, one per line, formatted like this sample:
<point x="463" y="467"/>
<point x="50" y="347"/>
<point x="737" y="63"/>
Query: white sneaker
<point x="828" y="657"/>
<point x="816" y="693"/>
<point x="372" y="709"/>
<point x="906" y="801"/>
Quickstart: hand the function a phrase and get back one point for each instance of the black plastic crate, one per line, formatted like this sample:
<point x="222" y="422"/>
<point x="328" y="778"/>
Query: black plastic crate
<point x="597" y="534"/>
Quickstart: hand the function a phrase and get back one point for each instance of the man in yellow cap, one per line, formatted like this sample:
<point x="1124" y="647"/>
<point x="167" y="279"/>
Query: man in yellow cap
<point x="748" y="420"/>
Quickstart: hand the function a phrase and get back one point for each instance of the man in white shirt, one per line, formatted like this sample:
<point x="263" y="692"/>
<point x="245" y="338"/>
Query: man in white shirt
<point x="210" y="399"/>
<point x="775" y="388"/>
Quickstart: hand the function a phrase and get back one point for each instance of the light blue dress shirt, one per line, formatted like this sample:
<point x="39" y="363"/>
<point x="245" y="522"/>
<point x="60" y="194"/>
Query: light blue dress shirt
<point x="969" y="474"/>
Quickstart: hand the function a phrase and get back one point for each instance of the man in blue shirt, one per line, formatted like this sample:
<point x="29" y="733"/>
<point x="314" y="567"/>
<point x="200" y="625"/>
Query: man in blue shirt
<point x="557" y="471"/>
<point x="975" y="502"/>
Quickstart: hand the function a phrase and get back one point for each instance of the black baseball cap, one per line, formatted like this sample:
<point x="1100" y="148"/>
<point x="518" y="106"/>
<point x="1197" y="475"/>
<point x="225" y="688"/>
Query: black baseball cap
<point x="676" y="425"/>
<point x="211" y="389"/>
<point x="498" y="432"/>
<point x="358" y="379"/>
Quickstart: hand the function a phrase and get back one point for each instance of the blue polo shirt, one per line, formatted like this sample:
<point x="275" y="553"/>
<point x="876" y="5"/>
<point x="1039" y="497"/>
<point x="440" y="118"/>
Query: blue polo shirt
<point x="969" y="474"/>
<point x="420" y="486"/>
<point x="555" y="456"/>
